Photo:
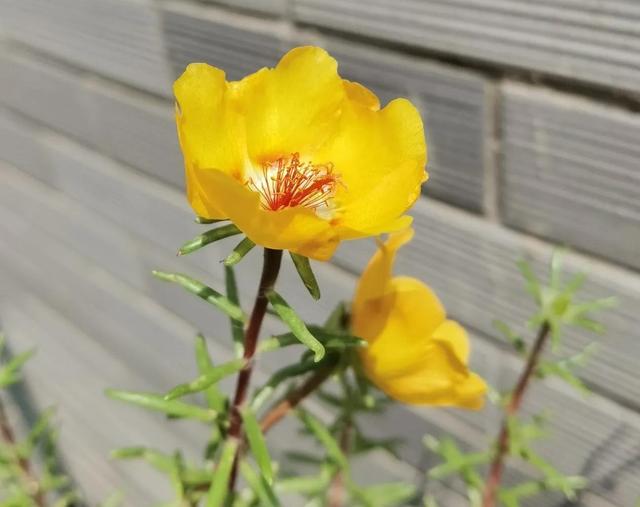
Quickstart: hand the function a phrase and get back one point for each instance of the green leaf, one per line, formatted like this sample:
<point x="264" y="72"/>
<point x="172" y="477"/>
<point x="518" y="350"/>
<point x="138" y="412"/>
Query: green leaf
<point x="220" y="484"/>
<point x="202" y="291"/>
<point x="320" y="431"/>
<point x="257" y="444"/>
<point x="259" y="485"/>
<point x="533" y="286"/>
<point x="306" y="485"/>
<point x="158" y="403"/>
<point x="336" y="341"/>
<point x="213" y="375"/>
<point x="208" y="237"/>
<point x="10" y="373"/>
<point x="279" y="376"/>
<point x="238" y="253"/>
<point x="390" y="494"/>
<point x="295" y="324"/>
<point x="303" y="267"/>
<point x="213" y="395"/>
<point x="237" y="327"/>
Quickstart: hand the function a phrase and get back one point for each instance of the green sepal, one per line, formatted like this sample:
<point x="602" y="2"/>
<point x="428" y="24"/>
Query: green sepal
<point x="238" y="253"/>
<point x="208" y="237"/>
<point x="303" y="267"/>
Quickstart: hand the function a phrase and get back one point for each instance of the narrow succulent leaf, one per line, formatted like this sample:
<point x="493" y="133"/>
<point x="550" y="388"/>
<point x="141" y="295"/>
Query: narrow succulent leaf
<point x="238" y="253"/>
<point x="213" y="395"/>
<point x="337" y="341"/>
<point x="390" y="494"/>
<point x="213" y="375"/>
<point x="293" y="370"/>
<point x="532" y="283"/>
<point x="237" y="325"/>
<point x="306" y="485"/>
<point x="296" y="324"/>
<point x="210" y="295"/>
<point x="303" y="267"/>
<point x="259" y="485"/>
<point x="220" y="484"/>
<point x="158" y="460"/>
<point x="322" y="434"/>
<point x="38" y="430"/>
<point x="278" y="342"/>
<point x="257" y="444"/>
<point x="208" y="221"/>
<point x="158" y="403"/>
<point x="514" y="338"/>
<point x="10" y="373"/>
<point x="208" y="237"/>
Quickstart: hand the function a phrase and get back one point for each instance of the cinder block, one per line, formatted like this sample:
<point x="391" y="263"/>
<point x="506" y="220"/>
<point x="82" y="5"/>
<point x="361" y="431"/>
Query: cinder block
<point x="237" y="44"/>
<point x="593" y="42"/>
<point x="570" y="171"/>
<point x="130" y="126"/>
<point x="271" y="7"/>
<point x="455" y="106"/>
<point x="120" y="39"/>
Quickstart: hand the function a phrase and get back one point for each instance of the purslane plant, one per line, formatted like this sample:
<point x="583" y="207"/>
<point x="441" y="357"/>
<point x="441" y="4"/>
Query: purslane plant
<point x="297" y="158"/>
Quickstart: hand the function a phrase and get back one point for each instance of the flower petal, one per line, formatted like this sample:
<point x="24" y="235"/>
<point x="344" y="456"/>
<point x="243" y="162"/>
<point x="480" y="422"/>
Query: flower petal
<point x="380" y="158"/>
<point x="377" y="275"/>
<point x="296" y="107"/>
<point x="299" y="229"/>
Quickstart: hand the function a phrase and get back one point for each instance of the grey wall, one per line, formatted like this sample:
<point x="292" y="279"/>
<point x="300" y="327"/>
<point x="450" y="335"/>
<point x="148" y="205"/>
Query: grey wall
<point x="531" y="111"/>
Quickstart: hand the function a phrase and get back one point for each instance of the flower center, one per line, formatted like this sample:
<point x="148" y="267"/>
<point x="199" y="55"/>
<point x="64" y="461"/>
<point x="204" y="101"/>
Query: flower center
<point x="287" y="183"/>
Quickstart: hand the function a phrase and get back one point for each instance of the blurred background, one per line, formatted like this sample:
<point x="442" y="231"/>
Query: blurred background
<point x="532" y="112"/>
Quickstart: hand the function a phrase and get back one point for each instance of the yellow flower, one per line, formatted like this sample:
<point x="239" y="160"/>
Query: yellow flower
<point x="414" y="354"/>
<point x="297" y="157"/>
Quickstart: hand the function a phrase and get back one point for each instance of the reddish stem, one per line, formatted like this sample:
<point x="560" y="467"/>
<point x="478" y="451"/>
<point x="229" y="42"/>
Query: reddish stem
<point x="497" y="466"/>
<point x="293" y="399"/>
<point x="270" y="270"/>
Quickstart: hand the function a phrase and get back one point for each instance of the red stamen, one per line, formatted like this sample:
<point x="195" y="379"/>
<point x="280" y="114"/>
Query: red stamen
<point x="287" y="183"/>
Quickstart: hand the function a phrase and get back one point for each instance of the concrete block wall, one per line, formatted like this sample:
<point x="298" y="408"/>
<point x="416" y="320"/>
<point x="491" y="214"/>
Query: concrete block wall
<point x="531" y="111"/>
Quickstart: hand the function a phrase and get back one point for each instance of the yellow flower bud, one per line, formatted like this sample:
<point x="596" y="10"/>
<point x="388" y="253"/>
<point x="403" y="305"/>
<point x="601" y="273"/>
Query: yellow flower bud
<point x="414" y="354"/>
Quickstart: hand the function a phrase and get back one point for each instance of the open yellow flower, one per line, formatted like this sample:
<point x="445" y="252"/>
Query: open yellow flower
<point x="297" y="157"/>
<point x="414" y="354"/>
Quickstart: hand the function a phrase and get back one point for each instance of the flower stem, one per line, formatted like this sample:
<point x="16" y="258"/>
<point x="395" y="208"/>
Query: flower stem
<point x="9" y="437"/>
<point x="270" y="270"/>
<point x="293" y="399"/>
<point x="497" y="465"/>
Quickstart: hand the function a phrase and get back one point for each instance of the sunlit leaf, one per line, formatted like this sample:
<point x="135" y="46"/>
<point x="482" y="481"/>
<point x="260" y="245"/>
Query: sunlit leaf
<point x="213" y="375"/>
<point x="208" y="237"/>
<point x="257" y="444"/>
<point x="295" y="324"/>
<point x="158" y="403"/>
<point x="322" y="434"/>
<point x="202" y="291"/>
<point x="259" y="485"/>
<point x="220" y="483"/>
<point x="237" y="325"/>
